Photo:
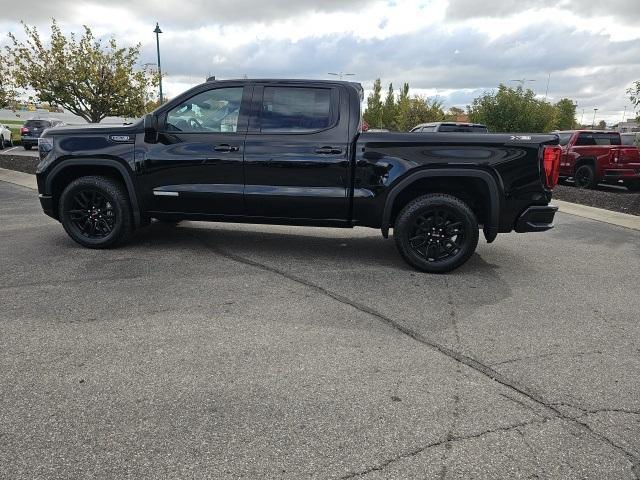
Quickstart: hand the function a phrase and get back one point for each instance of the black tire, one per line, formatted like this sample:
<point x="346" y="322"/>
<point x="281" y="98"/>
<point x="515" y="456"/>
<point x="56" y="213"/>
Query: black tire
<point x="107" y="220"/>
<point x="27" y="147"/>
<point x="633" y="186"/>
<point x="585" y="177"/>
<point x="436" y="233"/>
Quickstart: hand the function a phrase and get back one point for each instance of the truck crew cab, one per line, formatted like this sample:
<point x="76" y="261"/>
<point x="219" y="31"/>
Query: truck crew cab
<point x="293" y="152"/>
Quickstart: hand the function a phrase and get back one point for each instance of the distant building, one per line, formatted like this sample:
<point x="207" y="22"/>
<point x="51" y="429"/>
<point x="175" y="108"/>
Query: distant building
<point x="628" y="127"/>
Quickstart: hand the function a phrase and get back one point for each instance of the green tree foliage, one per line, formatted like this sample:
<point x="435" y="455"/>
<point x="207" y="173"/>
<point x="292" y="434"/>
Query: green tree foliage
<point x="373" y="113"/>
<point x="389" y="109"/>
<point x="81" y="74"/>
<point x="513" y="110"/>
<point x="602" y="125"/>
<point x="565" y="118"/>
<point x="422" y="110"/>
<point x="453" y="114"/>
<point x="401" y="120"/>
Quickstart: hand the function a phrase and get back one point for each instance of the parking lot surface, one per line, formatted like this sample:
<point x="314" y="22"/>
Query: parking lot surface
<point x="238" y="351"/>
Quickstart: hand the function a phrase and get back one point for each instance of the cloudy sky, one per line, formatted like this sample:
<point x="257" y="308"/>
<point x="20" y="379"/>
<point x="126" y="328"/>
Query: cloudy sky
<point x="453" y="49"/>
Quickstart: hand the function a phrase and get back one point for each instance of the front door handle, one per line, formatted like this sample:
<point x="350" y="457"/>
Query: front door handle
<point x="224" y="147"/>
<point x="328" y="151"/>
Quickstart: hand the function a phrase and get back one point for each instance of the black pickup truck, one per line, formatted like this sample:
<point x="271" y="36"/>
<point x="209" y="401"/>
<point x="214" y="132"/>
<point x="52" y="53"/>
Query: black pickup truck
<point x="293" y="152"/>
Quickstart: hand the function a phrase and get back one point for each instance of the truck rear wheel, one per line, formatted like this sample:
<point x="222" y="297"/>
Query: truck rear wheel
<point x="95" y="212"/>
<point x="585" y="177"/>
<point x="436" y="233"/>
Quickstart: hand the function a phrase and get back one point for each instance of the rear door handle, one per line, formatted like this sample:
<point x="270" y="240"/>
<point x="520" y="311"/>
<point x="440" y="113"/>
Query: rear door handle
<point x="328" y="150"/>
<point x="224" y="147"/>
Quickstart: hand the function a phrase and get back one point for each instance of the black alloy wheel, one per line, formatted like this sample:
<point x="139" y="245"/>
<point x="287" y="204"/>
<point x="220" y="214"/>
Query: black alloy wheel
<point x="92" y="214"/>
<point x="436" y="233"/>
<point x="585" y="177"/>
<point x="95" y="212"/>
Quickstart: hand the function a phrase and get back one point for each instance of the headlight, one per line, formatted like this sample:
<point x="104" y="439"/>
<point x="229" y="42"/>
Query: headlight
<point x="45" y="145"/>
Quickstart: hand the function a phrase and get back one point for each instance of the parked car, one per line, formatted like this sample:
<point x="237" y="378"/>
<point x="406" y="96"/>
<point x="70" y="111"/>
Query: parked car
<point x="32" y="130"/>
<point x="598" y="156"/>
<point x="449" y="127"/>
<point x="5" y="137"/>
<point x="630" y="139"/>
<point x="294" y="154"/>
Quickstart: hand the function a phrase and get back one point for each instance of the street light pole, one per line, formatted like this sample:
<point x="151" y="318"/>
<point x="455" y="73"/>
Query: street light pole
<point x="157" y="31"/>
<point x="341" y="75"/>
<point x="593" y="124"/>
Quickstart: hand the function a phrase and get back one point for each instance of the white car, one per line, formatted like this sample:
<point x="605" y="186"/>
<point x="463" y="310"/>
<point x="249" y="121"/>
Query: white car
<point x="5" y="137"/>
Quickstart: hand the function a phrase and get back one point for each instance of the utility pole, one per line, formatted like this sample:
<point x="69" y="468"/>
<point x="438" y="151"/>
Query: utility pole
<point x="157" y="31"/>
<point x="582" y="119"/>
<point x="593" y="124"/>
<point x="624" y="113"/>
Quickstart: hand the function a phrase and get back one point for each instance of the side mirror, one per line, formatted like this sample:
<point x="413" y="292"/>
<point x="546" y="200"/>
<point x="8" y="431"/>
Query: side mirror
<point x="150" y="128"/>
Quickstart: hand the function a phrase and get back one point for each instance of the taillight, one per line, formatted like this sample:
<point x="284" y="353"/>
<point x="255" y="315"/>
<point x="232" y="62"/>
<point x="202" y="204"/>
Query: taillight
<point x="24" y="131"/>
<point x="614" y="155"/>
<point x="551" y="163"/>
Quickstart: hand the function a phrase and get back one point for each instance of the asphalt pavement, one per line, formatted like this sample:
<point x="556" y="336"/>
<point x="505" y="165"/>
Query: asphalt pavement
<point x="242" y="351"/>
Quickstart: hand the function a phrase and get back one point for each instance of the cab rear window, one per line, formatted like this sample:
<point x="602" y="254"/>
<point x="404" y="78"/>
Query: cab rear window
<point x="594" y="139"/>
<point x="37" y="124"/>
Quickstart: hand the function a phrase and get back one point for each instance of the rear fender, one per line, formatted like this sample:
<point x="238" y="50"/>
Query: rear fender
<point x="493" y="212"/>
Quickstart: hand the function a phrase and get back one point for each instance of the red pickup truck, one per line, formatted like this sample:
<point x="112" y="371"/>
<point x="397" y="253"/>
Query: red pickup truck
<point x="594" y="156"/>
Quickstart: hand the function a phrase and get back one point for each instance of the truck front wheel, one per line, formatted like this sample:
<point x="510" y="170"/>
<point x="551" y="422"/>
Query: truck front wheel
<point x="95" y="212"/>
<point x="436" y="233"/>
<point x="585" y="177"/>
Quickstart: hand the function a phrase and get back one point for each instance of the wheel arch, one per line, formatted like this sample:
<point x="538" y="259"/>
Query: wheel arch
<point x="68" y="170"/>
<point x="585" y="161"/>
<point x="492" y="217"/>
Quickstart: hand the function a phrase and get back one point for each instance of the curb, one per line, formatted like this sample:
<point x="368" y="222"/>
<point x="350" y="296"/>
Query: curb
<point x="18" y="178"/>
<point x="599" y="214"/>
<point x="592" y="213"/>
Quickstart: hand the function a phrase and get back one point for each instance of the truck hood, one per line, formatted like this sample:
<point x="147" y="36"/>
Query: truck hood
<point x="93" y="128"/>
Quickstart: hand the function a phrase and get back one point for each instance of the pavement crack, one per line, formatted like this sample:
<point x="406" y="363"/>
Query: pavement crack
<point x="470" y="362"/>
<point x="447" y="440"/>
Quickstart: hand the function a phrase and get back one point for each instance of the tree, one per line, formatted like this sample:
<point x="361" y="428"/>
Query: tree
<point x="513" y="110"/>
<point x="634" y="95"/>
<point x="453" y="114"/>
<point x="389" y="109"/>
<point x="401" y="121"/>
<point x="82" y="75"/>
<point x="373" y="113"/>
<point x="602" y="125"/>
<point x="7" y="91"/>
<point x="423" y="110"/>
<point x="565" y="118"/>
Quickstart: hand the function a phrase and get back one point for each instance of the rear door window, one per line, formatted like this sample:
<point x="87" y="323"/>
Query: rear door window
<point x="296" y="110"/>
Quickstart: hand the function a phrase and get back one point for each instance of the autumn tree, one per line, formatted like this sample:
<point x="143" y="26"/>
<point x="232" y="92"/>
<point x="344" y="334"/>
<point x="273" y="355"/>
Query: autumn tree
<point x="82" y="74"/>
<point x="634" y="95"/>
<point x="373" y="113"/>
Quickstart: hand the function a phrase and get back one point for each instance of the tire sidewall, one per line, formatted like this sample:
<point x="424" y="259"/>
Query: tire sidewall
<point x="407" y="219"/>
<point x="66" y="201"/>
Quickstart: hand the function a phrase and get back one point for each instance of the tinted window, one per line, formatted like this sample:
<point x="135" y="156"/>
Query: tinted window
<point x="564" y="138"/>
<point x="37" y="124"/>
<point x="428" y="129"/>
<point x="211" y="111"/>
<point x="463" y="128"/>
<point x="293" y="109"/>
<point x="585" y="139"/>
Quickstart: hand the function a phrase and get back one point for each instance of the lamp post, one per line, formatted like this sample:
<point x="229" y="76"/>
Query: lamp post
<point x="157" y="31"/>
<point x="593" y="124"/>
<point x="341" y="75"/>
